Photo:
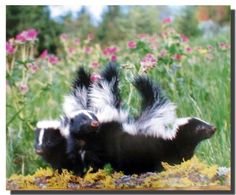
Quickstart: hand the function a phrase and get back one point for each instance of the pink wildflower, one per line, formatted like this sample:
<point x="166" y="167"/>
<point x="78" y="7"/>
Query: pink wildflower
<point x="21" y="37"/>
<point x="223" y="46"/>
<point x="148" y="62"/>
<point x="88" y="50"/>
<point x="23" y="87"/>
<point x="152" y="39"/>
<point x="95" y="77"/>
<point x="142" y="36"/>
<point x="166" y="20"/>
<point x="112" y="50"/>
<point x="27" y="35"/>
<point x="189" y="49"/>
<point x="109" y="51"/>
<point x="53" y="59"/>
<point x="32" y="34"/>
<point x="63" y="37"/>
<point x="33" y="67"/>
<point x="177" y="56"/>
<point x="77" y="41"/>
<point x="71" y="50"/>
<point x="94" y="65"/>
<point x="132" y="44"/>
<point x="184" y="38"/>
<point x="44" y="54"/>
<point x="9" y="48"/>
<point x="113" y="58"/>
<point x="105" y="52"/>
<point x="210" y="47"/>
<point x="163" y="53"/>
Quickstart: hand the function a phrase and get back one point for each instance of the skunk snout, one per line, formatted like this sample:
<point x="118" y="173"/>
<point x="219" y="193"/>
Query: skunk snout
<point x="212" y="130"/>
<point x="94" y="123"/>
<point x="205" y="130"/>
<point x="39" y="150"/>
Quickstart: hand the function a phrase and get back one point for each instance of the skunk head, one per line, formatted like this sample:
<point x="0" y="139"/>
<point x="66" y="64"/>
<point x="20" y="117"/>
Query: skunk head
<point x="190" y="132"/>
<point x="195" y="130"/>
<point x="47" y="136"/>
<point x="83" y="123"/>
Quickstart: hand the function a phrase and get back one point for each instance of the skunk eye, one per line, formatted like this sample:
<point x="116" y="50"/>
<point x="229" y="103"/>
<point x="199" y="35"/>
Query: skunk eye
<point x="200" y="128"/>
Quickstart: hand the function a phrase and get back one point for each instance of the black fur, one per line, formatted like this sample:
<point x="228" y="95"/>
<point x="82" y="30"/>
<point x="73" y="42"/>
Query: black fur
<point x="80" y="125"/>
<point x="109" y="143"/>
<point x="139" y="153"/>
<point x="152" y="95"/>
<point x="53" y="149"/>
<point x="82" y="79"/>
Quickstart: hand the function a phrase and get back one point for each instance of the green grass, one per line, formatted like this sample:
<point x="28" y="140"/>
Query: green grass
<point x="200" y="88"/>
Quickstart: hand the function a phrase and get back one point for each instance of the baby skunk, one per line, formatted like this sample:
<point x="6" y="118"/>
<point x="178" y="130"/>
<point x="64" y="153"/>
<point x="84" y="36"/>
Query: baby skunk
<point x="77" y="108"/>
<point x="51" y="145"/>
<point x="141" y="145"/>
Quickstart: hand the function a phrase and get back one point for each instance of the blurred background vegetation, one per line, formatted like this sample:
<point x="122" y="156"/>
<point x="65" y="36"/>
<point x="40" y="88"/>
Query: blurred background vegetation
<point x="189" y="45"/>
<point x="117" y="22"/>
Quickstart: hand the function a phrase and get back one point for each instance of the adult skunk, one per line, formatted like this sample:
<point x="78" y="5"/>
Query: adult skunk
<point x="142" y="144"/>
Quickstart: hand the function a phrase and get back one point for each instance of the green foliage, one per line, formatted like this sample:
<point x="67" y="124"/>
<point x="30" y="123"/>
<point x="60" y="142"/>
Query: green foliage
<point x="118" y="24"/>
<point x="111" y="28"/>
<point x="187" y="23"/>
<point x="19" y="18"/>
<point x="108" y="169"/>
<point x="81" y="26"/>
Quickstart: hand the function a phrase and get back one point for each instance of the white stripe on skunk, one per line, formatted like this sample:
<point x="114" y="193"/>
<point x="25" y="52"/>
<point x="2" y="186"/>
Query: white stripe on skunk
<point x="46" y="124"/>
<point x="62" y="125"/>
<point x="40" y="141"/>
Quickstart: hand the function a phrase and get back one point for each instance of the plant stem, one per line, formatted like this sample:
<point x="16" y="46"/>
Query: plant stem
<point x="131" y="89"/>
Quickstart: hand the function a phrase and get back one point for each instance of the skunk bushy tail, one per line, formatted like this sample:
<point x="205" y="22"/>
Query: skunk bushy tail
<point x="151" y="94"/>
<point x="81" y="80"/>
<point x="111" y="75"/>
<point x="104" y="96"/>
<point x="78" y="99"/>
<point x="158" y="116"/>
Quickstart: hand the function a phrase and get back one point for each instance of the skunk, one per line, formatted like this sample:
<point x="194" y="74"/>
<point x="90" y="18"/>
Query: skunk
<point x="140" y="145"/>
<point x="51" y="145"/>
<point x="99" y="131"/>
<point x="81" y="114"/>
<point x="140" y="153"/>
<point x="62" y="147"/>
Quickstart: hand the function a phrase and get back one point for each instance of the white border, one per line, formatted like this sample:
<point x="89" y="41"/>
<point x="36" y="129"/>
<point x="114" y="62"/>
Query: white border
<point x="62" y="2"/>
<point x="121" y="2"/>
<point x="3" y="101"/>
